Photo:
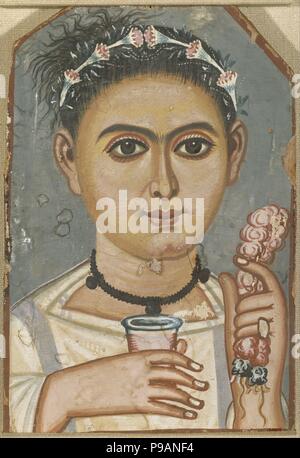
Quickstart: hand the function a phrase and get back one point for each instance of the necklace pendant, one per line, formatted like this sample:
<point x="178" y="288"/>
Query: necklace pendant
<point x="155" y="266"/>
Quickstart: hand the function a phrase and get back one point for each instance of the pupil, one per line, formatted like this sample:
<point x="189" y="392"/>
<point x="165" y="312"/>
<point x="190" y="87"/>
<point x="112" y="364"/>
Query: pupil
<point x="128" y="147"/>
<point x="193" y="146"/>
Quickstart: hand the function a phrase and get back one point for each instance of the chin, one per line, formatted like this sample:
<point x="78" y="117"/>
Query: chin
<point x="168" y="246"/>
<point x="159" y="246"/>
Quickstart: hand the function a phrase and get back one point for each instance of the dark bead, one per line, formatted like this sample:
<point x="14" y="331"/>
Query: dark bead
<point x="91" y="282"/>
<point x="204" y="275"/>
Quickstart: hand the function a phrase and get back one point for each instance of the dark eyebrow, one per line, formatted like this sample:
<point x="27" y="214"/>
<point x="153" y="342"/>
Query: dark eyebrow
<point x="128" y="127"/>
<point x="150" y="134"/>
<point x="194" y="125"/>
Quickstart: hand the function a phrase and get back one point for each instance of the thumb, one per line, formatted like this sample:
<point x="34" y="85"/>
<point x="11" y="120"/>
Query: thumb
<point x="181" y="346"/>
<point x="231" y="298"/>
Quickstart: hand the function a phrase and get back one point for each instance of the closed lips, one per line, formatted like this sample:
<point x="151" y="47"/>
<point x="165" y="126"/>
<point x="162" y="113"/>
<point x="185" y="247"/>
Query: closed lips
<point x="164" y="215"/>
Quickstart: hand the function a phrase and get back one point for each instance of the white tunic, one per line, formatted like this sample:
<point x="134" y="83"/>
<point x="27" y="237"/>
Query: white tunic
<point x="45" y="337"/>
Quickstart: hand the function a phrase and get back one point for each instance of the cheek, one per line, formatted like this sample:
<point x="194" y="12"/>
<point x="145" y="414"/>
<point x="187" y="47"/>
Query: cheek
<point x="92" y="179"/>
<point x="101" y="176"/>
<point x="206" y="178"/>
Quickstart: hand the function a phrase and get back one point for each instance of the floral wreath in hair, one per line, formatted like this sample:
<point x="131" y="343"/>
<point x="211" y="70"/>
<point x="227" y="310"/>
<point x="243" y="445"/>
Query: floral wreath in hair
<point x="152" y="37"/>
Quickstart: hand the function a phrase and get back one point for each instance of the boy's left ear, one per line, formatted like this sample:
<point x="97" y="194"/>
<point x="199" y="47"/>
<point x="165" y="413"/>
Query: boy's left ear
<point x="237" y="145"/>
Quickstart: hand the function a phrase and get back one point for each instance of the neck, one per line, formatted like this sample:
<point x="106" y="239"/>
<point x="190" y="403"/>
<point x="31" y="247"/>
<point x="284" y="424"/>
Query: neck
<point x="129" y="273"/>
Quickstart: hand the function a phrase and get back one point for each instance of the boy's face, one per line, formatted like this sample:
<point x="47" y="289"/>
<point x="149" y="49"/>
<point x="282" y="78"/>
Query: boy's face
<point x="153" y="136"/>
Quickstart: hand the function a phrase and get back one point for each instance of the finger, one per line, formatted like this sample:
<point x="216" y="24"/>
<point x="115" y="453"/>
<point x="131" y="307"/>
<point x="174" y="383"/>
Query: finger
<point x="251" y="318"/>
<point x="255" y="301"/>
<point x="170" y="375"/>
<point x="231" y="298"/>
<point x="162" y="408"/>
<point x="181" y="346"/>
<point x="158" y="357"/>
<point x="247" y="331"/>
<point x="175" y="394"/>
<point x="261" y="271"/>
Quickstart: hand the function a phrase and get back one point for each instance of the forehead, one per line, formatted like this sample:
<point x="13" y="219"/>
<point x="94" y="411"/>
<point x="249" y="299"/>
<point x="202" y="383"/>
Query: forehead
<point x="158" y="102"/>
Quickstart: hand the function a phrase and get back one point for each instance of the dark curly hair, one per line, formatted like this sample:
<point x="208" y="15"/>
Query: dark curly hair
<point x="77" y="43"/>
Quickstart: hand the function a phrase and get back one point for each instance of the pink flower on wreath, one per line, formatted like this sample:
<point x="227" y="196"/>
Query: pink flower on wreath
<point x="136" y="37"/>
<point x="227" y="79"/>
<point x="193" y="48"/>
<point x="102" y="51"/>
<point x="72" y="77"/>
<point x="150" y="36"/>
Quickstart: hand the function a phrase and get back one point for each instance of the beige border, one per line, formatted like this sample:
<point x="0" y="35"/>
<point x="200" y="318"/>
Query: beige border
<point x="266" y="21"/>
<point x="61" y="3"/>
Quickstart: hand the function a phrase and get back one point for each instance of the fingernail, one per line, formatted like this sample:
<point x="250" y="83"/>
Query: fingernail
<point x="199" y="384"/>
<point x="195" y="402"/>
<point x="190" y="414"/>
<point x="196" y="366"/>
<point x="242" y="261"/>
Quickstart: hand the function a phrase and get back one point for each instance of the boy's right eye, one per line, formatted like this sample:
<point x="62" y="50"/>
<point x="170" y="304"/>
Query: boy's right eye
<point x="127" y="147"/>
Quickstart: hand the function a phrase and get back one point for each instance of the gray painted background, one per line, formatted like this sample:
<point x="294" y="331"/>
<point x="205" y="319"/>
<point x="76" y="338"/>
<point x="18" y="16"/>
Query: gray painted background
<point x="50" y="228"/>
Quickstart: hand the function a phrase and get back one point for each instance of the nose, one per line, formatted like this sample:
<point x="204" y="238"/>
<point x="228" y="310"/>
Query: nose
<point x="164" y="183"/>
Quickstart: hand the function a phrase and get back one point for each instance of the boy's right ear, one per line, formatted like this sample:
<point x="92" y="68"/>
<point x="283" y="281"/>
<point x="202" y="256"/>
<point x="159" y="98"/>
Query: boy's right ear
<point x="64" y="152"/>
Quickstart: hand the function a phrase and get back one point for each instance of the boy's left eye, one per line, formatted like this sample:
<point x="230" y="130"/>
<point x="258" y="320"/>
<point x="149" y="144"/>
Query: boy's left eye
<point x="194" y="146"/>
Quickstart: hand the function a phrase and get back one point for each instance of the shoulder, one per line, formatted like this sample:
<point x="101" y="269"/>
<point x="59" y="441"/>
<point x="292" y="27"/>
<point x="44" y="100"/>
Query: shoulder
<point x="56" y="290"/>
<point x="29" y="317"/>
<point x="32" y="343"/>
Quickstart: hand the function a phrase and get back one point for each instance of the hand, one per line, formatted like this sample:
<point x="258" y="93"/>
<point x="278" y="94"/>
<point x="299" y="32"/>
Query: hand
<point x="139" y="382"/>
<point x="241" y="320"/>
